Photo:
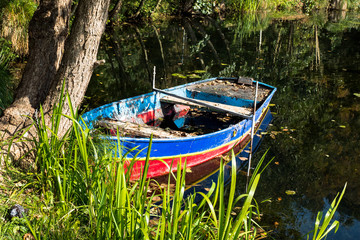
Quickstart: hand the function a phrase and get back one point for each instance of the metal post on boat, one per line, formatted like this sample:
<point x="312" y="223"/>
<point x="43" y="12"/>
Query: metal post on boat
<point x="252" y="135"/>
<point x="154" y="74"/>
<point x="153" y="86"/>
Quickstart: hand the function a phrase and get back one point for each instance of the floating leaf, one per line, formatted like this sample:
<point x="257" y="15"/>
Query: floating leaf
<point x="199" y="71"/>
<point x="179" y="75"/>
<point x="193" y="76"/>
<point x="243" y="158"/>
<point x="275" y="132"/>
<point x="224" y="64"/>
<point x="357" y="94"/>
<point x="342" y="126"/>
<point x="290" y="192"/>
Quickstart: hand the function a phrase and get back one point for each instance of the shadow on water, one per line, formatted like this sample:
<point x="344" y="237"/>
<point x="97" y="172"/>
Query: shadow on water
<point x="313" y="61"/>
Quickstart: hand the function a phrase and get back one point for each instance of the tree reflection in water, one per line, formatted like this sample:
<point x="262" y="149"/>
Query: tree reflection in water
<point x="313" y="61"/>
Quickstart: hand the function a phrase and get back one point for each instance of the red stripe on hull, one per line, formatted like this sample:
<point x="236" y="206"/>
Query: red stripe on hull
<point x="158" y="168"/>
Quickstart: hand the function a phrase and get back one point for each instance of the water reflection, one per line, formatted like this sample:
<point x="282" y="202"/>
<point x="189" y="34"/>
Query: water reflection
<point x="313" y="61"/>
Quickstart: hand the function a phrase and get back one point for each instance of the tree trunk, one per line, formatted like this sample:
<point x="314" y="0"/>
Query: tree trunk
<point x="115" y="10"/>
<point x="338" y="5"/>
<point x="138" y="10"/>
<point x="47" y="34"/>
<point x="79" y="58"/>
<point x="51" y="61"/>
<point x="186" y="6"/>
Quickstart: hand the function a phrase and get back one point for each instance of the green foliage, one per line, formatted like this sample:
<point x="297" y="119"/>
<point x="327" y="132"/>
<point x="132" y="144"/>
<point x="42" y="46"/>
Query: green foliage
<point x="244" y="5"/>
<point x="310" y="5"/>
<point x="204" y="6"/>
<point x="16" y="16"/>
<point x="6" y="56"/>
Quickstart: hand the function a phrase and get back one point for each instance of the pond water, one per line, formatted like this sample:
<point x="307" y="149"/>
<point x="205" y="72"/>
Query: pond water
<point x="315" y="64"/>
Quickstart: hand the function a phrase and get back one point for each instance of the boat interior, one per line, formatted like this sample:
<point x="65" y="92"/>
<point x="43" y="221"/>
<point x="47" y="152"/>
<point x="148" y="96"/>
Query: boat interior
<point x="195" y="110"/>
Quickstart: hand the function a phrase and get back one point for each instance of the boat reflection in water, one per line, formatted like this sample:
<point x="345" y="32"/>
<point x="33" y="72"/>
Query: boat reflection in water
<point x="201" y="177"/>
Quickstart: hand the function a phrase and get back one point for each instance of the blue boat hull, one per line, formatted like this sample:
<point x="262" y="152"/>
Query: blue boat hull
<point x="195" y="150"/>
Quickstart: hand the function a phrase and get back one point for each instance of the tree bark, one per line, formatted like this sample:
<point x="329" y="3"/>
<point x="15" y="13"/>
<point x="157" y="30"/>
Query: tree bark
<point x="79" y="57"/>
<point x="54" y="57"/>
<point x="48" y="30"/>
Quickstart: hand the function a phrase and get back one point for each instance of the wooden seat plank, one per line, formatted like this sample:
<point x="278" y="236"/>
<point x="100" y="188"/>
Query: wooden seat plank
<point x="212" y="105"/>
<point x="140" y="130"/>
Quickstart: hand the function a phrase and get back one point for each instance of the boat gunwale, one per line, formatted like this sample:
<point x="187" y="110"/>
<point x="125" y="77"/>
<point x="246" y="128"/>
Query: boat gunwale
<point x="177" y="139"/>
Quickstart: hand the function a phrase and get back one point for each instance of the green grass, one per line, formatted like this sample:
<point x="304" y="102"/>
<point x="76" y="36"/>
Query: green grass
<point x="79" y="191"/>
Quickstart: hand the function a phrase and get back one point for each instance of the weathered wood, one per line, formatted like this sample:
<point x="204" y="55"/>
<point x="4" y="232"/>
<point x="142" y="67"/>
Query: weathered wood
<point x="230" y="88"/>
<point x="245" y="80"/>
<point x="139" y="130"/>
<point x="219" y="107"/>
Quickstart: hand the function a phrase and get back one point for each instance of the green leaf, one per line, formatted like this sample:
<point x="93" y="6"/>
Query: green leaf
<point x="193" y="76"/>
<point x="179" y="75"/>
<point x="290" y="192"/>
<point x="357" y="94"/>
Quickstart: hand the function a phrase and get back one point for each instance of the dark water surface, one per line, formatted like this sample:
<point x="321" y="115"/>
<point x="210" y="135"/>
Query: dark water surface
<point x="315" y="64"/>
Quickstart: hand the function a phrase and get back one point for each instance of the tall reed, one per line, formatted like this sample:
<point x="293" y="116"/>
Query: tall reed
<point x="323" y="226"/>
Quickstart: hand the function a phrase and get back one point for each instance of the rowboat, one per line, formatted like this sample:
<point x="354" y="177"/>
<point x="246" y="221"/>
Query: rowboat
<point x="194" y="122"/>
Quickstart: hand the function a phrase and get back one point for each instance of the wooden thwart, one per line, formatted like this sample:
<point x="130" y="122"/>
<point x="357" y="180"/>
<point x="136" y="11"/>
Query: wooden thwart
<point x="139" y="130"/>
<point x="219" y="107"/>
<point x="245" y="80"/>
